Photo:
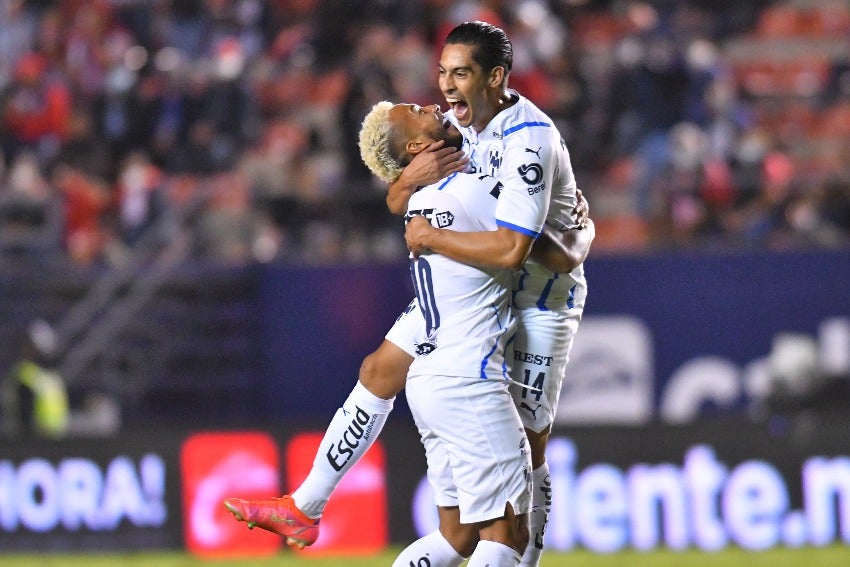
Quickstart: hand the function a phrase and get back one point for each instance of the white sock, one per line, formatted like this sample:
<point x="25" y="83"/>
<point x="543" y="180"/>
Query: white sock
<point x="433" y="550"/>
<point x="541" y="504"/>
<point x="351" y="433"/>
<point x="493" y="554"/>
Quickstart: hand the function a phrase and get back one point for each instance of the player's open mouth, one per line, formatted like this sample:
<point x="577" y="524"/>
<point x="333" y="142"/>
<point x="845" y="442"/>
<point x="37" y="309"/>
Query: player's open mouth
<point x="460" y="109"/>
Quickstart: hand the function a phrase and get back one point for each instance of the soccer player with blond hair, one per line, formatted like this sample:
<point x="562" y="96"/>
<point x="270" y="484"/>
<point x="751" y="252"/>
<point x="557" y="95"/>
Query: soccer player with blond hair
<point x="507" y="137"/>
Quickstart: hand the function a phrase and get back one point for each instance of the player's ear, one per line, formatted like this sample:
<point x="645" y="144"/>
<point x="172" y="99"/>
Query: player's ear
<point x="497" y="76"/>
<point x="413" y="147"/>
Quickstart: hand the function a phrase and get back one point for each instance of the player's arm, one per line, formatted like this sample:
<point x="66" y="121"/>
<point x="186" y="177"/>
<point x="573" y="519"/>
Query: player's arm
<point x="429" y="166"/>
<point x="564" y="251"/>
<point x="507" y="247"/>
<point x="502" y="248"/>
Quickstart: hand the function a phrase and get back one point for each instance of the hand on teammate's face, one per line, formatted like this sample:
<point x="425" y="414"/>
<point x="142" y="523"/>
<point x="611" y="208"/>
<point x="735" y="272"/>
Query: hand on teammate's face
<point x="436" y="162"/>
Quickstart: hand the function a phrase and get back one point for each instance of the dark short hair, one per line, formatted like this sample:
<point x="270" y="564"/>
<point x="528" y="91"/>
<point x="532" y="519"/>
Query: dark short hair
<point x="490" y="44"/>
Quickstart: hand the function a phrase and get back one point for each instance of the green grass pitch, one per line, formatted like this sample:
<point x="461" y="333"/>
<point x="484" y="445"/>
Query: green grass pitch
<point x="835" y="556"/>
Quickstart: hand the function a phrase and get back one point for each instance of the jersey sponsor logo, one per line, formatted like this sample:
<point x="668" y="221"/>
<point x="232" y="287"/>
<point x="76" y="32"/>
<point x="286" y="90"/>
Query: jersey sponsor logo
<point x="341" y="451"/>
<point x="546" y="489"/>
<point x="427" y="213"/>
<point x="425" y="348"/>
<point x="494" y="161"/>
<point x="530" y="358"/>
<point x="535" y="152"/>
<point x="444" y="219"/>
<point x="531" y="173"/>
<point x="531" y="410"/>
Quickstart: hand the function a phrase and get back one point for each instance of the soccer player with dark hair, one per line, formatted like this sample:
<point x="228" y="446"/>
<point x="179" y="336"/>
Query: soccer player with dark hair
<point x="538" y="234"/>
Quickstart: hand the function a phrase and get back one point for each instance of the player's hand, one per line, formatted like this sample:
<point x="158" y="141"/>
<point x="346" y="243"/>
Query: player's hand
<point x="581" y="212"/>
<point x="434" y="163"/>
<point x="416" y="234"/>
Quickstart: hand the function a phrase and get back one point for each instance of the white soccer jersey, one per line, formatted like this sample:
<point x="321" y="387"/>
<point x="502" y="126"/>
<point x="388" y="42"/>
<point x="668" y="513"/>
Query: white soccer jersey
<point x="524" y="150"/>
<point x="468" y="322"/>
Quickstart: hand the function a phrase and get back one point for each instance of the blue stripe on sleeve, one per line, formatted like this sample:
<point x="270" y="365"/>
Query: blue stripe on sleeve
<point x="517" y="228"/>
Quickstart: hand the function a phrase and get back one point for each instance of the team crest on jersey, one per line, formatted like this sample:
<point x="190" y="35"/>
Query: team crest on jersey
<point x="444" y="219"/>
<point x="494" y="160"/>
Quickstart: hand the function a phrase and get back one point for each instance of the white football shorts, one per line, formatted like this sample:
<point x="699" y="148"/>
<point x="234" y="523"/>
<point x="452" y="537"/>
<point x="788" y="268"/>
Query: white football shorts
<point x="408" y="329"/>
<point x="541" y="352"/>
<point x="475" y="445"/>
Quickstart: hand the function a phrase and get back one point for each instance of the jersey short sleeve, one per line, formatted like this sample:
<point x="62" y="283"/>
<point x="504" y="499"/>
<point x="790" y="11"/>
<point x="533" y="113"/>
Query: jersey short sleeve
<point x="526" y="176"/>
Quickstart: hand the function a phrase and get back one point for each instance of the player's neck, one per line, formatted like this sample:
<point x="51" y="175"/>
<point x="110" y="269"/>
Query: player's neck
<point x="501" y="101"/>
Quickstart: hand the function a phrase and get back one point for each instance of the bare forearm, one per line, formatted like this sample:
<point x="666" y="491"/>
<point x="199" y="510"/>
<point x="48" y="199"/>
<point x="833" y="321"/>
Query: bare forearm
<point x="563" y="251"/>
<point x="496" y="249"/>
<point x="429" y="166"/>
<point x="398" y="195"/>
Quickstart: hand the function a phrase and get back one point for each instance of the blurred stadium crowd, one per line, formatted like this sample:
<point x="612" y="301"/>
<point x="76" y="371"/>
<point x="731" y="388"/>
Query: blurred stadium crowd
<point x="702" y="125"/>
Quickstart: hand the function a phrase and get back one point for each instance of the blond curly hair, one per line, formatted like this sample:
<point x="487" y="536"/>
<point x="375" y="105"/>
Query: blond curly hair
<point x="376" y="143"/>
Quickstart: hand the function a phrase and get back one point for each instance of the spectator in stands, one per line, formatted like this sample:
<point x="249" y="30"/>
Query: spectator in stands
<point x="37" y="109"/>
<point x="30" y="212"/>
<point x="138" y="194"/>
<point x="197" y="86"/>
<point x="86" y="200"/>
<point x="17" y="29"/>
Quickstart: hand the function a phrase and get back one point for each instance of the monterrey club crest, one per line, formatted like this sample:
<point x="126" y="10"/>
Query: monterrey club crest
<point x="494" y="161"/>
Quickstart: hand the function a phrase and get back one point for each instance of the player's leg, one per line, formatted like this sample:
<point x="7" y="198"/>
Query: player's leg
<point x="382" y="376"/>
<point x="478" y="463"/>
<point x="452" y="542"/>
<point x="542" y="349"/>
<point x="448" y="546"/>
<point x="362" y="417"/>
<point x="541" y="496"/>
<point x="502" y="541"/>
<point x="356" y="425"/>
<point x="494" y="542"/>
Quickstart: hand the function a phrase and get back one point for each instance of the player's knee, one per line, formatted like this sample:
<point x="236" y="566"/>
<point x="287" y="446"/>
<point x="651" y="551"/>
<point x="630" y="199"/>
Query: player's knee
<point x="462" y="537"/>
<point x="521" y="534"/>
<point x="511" y="530"/>
<point x="381" y="377"/>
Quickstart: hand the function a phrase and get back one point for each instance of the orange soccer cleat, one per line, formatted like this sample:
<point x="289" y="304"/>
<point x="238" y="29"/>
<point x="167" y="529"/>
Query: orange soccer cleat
<point x="278" y="515"/>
